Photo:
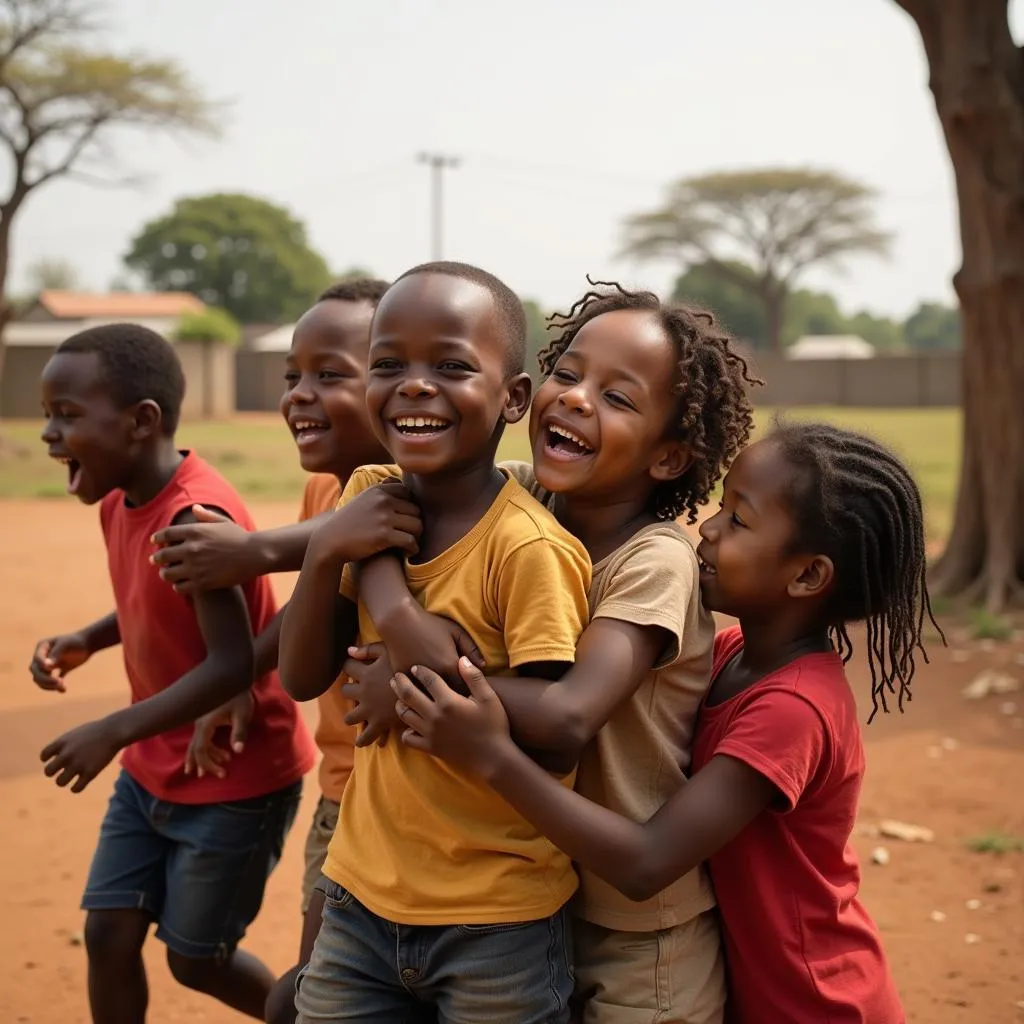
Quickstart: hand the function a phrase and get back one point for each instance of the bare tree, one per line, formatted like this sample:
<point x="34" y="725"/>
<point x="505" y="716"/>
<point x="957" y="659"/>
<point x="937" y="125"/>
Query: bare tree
<point x="52" y="273"/>
<point x="977" y="79"/>
<point x="60" y="99"/>
<point x="778" y="222"/>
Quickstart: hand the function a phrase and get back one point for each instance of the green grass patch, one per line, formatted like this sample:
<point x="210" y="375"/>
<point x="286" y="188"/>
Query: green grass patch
<point x="996" y="842"/>
<point x="256" y="453"/>
<point x="986" y="626"/>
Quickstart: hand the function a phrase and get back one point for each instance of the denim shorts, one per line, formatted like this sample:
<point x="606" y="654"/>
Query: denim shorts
<point x="199" y="870"/>
<point x="365" y="968"/>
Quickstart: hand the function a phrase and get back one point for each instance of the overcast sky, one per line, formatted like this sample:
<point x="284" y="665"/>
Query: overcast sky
<point x="567" y="115"/>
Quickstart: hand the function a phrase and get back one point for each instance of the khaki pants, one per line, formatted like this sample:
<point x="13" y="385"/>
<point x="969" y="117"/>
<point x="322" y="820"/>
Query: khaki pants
<point x="325" y="821"/>
<point x="673" y="976"/>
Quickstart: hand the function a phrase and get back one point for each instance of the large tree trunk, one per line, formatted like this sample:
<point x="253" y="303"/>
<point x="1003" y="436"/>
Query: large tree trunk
<point x="6" y="310"/>
<point x="977" y="78"/>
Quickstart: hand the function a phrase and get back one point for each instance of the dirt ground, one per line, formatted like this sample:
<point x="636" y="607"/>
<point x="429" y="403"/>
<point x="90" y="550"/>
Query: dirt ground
<point x="954" y="766"/>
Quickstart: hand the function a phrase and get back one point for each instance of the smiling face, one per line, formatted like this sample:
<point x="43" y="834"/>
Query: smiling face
<point x="324" y="400"/>
<point x="749" y="565"/>
<point x="600" y="424"/>
<point x="438" y="392"/>
<point x="84" y="429"/>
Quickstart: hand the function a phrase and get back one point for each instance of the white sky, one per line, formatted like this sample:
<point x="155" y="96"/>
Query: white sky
<point x="568" y="116"/>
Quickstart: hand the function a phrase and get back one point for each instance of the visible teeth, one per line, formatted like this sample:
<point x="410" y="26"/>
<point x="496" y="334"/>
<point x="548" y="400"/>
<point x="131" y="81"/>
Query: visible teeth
<point x="575" y="438"/>
<point x="307" y="425"/>
<point x="419" y="421"/>
<point x="64" y="460"/>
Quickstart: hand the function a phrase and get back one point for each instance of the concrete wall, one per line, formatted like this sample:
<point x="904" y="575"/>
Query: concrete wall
<point x="259" y="380"/>
<point x="209" y="380"/>
<point x="897" y="381"/>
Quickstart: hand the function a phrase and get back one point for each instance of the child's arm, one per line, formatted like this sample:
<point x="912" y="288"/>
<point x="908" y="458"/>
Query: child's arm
<point x="227" y="670"/>
<point x="410" y="633"/>
<point x="214" y="552"/>
<point x="56" y="656"/>
<point x="638" y="859"/>
<point x="319" y="624"/>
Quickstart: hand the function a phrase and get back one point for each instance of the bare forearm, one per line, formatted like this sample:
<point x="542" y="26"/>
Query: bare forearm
<point x="268" y="644"/>
<point x="385" y="592"/>
<point x="310" y="648"/>
<point x="282" y="549"/>
<point x="102" y="633"/>
<point x="210" y="684"/>
<point x="539" y="714"/>
<point x="600" y="840"/>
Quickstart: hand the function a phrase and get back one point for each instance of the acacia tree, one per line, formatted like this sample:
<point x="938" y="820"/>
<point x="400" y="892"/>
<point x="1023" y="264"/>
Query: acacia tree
<point x="777" y="222"/>
<point x="977" y="79"/>
<point x="61" y="99"/>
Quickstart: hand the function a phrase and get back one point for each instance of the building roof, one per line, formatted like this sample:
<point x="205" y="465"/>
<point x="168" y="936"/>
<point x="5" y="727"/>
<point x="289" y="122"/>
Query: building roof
<point x="831" y="346"/>
<point x="118" y="305"/>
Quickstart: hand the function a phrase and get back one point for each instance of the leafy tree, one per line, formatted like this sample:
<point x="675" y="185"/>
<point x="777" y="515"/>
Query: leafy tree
<point x="933" y="326"/>
<point x="736" y="306"/>
<point x="62" y="98"/>
<point x="52" y="274"/>
<point x="977" y="79"/>
<point x="778" y="222"/>
<point x="807" y="312"/>
<point x="238" y="252"/>
<point x="216" y="325"/>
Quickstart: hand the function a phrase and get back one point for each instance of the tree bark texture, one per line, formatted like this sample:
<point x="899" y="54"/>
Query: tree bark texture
<point x="977" y="79"/>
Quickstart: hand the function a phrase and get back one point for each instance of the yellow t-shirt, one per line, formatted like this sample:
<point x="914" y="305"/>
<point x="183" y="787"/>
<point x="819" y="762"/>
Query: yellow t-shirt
<point x="417" y="841"/>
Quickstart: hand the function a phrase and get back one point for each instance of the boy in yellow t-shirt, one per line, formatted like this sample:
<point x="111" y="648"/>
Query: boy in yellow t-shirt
<point x="438" y="894"/>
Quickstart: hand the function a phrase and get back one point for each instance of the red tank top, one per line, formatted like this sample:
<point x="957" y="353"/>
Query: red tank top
<point x="161" y="641"/>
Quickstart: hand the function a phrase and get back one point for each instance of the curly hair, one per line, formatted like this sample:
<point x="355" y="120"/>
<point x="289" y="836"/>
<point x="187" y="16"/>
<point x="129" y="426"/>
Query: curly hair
<point x="713" y="414"/>
<point x="854" y="501"/>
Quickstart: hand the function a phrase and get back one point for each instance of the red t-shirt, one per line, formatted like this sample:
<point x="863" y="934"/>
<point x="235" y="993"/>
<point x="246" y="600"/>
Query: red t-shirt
<point x="161" y="641"/>
<point x="799" y="945"/>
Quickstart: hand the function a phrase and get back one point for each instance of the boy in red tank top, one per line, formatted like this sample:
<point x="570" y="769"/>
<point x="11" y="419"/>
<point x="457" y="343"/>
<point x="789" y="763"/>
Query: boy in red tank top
<point x="190" y="854"/>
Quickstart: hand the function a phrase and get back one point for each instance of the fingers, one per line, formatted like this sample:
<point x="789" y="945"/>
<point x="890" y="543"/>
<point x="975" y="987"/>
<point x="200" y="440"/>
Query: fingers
<point x="410" y="718"/>
<point x="356" y="670"/>
<point x="475" y="680"/>
<point x="412" y="525"/>
<point x="239" y="730"/>
<point x="209" y="759"/>
<point x="466" y="646"/>
<point x="403" y="541"/>
<point x="207" y="515"/>
<point x="367" y="653"/>
<point x="372" y="734"/>
<point x="45" y="679"/>
<point x="413" y="739"/>
<point x="409" y="694"/>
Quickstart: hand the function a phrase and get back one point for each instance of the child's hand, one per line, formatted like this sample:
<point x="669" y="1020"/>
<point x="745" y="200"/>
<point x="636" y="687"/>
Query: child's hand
<point x="55" y="657"/>
<point x="82" y="753"/>
<point x="421" y="638"/>
<point x="381" y="518"/>
<point x="370" y="691"/>
<point x="468" y="732"/>
<point x="213" y="554"/>
<point x="204" y="756"/>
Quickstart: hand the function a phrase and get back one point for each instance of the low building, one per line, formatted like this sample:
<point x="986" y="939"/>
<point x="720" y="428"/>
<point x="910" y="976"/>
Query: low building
<point x="830" y="346"/>
<point x="55" y="315"/>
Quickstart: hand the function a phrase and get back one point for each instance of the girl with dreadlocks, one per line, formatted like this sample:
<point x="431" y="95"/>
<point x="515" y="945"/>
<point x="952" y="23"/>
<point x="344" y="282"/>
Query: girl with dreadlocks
<point x="818" y="528"/>
<point x="644" y="407"/>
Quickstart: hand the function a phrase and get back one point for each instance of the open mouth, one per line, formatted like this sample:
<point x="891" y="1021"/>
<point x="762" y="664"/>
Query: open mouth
<point x="74" y="472"/>
<point x="564" y="444"/>
<point x="420" y="427"/>
<point x="308" y="431"/>
<point x="705" y="568"/>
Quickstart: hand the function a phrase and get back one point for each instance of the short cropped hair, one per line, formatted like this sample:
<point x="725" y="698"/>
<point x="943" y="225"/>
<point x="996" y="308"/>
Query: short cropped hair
<point x="137" y="364"/>
<point x="510" y="311"/>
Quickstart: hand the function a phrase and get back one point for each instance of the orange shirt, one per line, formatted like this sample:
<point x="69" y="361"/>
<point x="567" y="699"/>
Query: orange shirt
<point x="334" y="738"/>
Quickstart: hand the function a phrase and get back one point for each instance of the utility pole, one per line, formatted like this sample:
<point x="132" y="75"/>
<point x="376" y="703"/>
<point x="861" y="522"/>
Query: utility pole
<point x="437" y="162"/>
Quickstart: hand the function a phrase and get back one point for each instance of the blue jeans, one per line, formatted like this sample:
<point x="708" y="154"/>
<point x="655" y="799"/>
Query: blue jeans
<point x="199" y="870"/>
<point x="365" y="968"/>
